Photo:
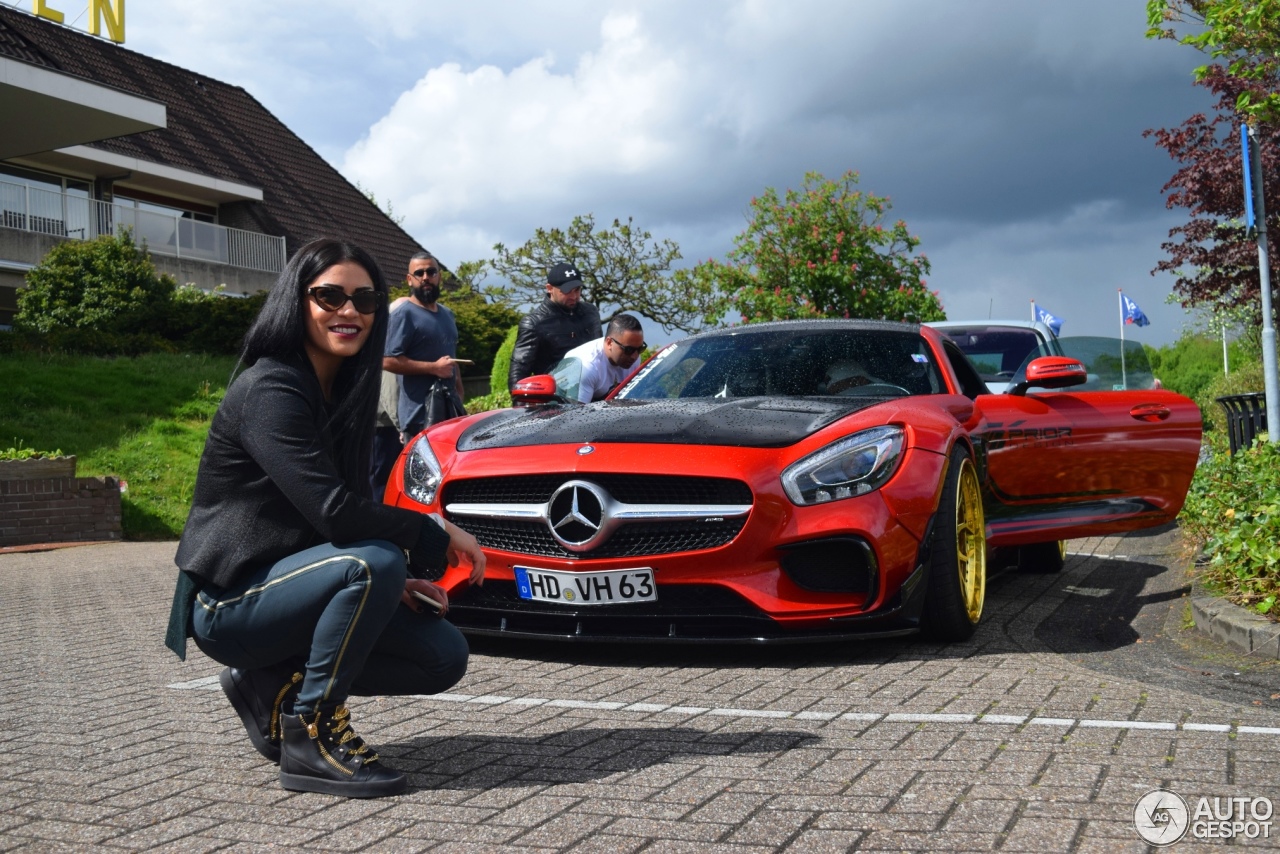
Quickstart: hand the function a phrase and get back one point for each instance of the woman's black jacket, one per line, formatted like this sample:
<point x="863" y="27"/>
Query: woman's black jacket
<point x="268" y="487"/>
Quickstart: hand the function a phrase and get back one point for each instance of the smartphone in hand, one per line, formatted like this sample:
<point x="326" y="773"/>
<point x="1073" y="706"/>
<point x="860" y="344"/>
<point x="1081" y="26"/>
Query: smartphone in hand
<point x="433" y="604"/>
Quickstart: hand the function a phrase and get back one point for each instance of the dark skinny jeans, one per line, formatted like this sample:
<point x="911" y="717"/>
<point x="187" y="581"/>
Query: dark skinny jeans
<point x="335" y="613"/>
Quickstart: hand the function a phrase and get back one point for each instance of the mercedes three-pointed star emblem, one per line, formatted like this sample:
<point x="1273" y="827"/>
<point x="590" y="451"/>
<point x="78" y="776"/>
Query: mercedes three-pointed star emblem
<point x="577" y="514"/>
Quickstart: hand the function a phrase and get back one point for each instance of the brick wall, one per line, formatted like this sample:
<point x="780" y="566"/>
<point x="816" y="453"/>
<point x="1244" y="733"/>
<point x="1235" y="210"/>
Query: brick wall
<point x="59" y="510"/>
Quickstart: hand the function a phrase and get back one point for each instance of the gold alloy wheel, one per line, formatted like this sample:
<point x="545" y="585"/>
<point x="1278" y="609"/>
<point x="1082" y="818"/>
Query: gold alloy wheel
<point x="971" y="542"/>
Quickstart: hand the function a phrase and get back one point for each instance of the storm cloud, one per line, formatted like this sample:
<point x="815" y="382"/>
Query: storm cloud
<point x="1007" y="134"/>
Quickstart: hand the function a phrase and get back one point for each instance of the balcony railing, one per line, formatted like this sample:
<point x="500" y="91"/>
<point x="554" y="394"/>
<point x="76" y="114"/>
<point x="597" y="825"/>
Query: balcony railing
<point x="62" y="215"/>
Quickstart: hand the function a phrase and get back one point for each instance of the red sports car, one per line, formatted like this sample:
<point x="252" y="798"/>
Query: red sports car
<point x="793" y="480"/>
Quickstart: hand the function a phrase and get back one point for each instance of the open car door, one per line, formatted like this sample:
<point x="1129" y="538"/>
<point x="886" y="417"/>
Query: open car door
<point x="1112" y="453"/>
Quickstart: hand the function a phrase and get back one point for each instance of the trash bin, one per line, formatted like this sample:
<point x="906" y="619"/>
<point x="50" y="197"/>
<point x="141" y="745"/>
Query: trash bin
<point x="1246" y="418"/>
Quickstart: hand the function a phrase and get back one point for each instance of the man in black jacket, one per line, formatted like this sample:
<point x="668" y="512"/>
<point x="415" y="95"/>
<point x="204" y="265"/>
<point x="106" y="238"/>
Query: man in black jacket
<point x="555" y="326"/>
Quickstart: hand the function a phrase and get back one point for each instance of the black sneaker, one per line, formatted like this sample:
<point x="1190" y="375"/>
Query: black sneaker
<point x="258" y="696"/>
<point x="321" y="753"/>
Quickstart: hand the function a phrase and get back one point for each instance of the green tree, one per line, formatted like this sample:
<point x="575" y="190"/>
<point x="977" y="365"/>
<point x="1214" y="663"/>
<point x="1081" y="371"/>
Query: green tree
<point x="1245" y="33"/>
<point x="107" y="284"/>
<point x="622" y="268"/>
<point x="1188" y="365"/>
<point x="482" y="326"/>
<point x="498" y="397"/>
<point x="821" y="251"/>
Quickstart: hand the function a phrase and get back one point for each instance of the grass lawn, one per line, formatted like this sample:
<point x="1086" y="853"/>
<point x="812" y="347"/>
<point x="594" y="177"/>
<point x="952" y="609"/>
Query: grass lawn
<point x="141" y="419"/>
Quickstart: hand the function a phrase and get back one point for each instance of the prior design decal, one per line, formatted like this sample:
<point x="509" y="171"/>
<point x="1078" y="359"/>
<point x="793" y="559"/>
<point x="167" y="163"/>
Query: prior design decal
<point x="1011" y="435"/>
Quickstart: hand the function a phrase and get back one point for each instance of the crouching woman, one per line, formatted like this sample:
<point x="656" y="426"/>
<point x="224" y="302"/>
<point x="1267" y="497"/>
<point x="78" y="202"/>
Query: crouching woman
<point x="290" y="575"/>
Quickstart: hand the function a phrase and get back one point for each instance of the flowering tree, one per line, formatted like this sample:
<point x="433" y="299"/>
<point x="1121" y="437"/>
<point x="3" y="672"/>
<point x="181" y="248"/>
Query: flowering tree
<point x="820" y="251"/>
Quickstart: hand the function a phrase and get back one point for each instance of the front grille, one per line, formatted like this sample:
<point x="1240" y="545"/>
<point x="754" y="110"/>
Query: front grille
<point x="637" y="540"/>
<point x="628" y="488"/>
<point x="632" y="540"/>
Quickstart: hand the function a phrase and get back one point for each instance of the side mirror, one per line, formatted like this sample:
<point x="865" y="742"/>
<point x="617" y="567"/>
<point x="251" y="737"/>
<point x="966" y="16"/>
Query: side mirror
<point x="1052" y="372"/>
<point x="540" y="388"/>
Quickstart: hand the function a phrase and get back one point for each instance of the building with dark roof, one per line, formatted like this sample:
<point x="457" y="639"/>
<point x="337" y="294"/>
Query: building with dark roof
<point x="95" y="137"/>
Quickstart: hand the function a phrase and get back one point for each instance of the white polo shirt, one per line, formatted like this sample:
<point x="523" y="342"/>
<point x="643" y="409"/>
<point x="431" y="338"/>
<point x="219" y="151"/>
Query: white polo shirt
<point x="598" y="373"/>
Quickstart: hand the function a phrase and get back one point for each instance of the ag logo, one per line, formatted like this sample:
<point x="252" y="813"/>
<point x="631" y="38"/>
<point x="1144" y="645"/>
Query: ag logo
<point x="1161" y="817"/>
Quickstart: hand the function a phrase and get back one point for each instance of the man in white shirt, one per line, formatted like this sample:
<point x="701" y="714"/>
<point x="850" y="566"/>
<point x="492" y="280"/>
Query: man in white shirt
<point x="607" y="361"/>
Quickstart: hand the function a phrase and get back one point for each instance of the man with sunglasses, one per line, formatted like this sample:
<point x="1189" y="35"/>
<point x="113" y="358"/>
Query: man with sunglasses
<point x="562" y="321"/>
<point x="422" y="341"/>
<point x="607" y="361"/>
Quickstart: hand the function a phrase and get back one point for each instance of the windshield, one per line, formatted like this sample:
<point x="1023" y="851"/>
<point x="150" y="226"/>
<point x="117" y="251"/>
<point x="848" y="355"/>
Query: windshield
<point x="997" y="351"/>
<point x="791" y="362"/>
<point x="1112" y="364"/>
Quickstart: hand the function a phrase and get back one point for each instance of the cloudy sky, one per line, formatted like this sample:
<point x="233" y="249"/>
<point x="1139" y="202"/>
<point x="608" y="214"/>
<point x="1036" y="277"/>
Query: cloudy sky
<point x="1008" y="133"/>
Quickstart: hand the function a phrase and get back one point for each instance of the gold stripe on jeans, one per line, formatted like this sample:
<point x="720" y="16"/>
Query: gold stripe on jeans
<point x="253" y="591"/>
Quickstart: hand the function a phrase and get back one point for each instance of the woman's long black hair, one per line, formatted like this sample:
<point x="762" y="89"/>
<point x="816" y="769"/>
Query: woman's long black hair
<point x="280" y="330"/>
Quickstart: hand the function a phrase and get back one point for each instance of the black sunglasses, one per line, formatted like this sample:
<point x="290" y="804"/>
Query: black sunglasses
<point x="425" y="271"/>
<point x="629" y="351"/>
<point x="332" y="298"/>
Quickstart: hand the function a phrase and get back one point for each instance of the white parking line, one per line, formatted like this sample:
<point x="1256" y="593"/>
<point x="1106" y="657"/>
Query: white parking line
<point x="210" y="683"/>
<point x="1131" y="724"/>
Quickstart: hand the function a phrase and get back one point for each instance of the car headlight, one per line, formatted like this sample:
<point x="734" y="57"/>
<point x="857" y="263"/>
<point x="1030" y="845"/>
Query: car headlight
<point x="422" y="473"/>
<point x="855" y="465"/>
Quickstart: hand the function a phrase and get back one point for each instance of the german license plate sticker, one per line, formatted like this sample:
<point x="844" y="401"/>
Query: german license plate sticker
<point x="586" y="588"/>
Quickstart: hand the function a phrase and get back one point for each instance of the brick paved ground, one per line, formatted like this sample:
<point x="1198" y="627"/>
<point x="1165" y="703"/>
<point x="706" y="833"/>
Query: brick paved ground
<point x="1080" y="693"/>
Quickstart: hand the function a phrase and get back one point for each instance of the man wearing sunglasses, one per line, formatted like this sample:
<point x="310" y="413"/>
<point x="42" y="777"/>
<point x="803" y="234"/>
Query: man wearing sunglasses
<point x="422" y="342"/>
<point x="607" y="361"/>
<point x="562" y="321"/>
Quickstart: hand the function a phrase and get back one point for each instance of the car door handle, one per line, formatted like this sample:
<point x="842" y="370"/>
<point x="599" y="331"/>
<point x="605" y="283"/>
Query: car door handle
<point x="1150" y="412"/>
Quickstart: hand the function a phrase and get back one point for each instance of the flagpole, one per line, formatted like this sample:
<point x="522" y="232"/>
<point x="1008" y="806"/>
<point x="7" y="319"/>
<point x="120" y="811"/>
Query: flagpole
<point x="1124" y="374"/>
<point x="1270" y="372"/>
<point x="1033" y="311"/>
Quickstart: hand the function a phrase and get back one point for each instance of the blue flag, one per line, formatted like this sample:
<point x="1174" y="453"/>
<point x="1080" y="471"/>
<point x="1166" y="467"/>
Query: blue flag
<point x="1054" y="323"/>
<point x="1133" y="314"/>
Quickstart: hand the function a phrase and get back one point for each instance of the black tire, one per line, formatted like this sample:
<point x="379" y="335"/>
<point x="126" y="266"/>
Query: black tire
<point x="958" y="563"/>
<point x="1044" y="558"/>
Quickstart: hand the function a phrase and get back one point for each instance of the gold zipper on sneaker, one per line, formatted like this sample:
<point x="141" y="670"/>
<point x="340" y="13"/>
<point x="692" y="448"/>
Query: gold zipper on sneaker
<point x="274" y="730"/>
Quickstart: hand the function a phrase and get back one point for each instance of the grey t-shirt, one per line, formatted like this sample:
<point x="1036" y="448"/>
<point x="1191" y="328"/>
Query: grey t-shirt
<point x="424" y="336"/>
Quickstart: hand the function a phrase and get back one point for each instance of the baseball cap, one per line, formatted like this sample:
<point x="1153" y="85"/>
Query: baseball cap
<point x="564" y="276"/>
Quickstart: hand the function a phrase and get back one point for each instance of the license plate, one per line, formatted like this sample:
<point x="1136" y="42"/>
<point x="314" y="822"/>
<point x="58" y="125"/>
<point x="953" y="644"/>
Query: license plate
<point x="586" y="588"/>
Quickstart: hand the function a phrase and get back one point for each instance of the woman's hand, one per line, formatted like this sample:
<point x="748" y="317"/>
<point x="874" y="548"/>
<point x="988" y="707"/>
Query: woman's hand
<point x="426" y="588"/>
<point x="462" y="544"/>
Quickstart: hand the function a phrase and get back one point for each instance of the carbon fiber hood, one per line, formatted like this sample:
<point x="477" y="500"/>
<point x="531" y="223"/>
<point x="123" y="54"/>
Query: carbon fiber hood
<point x="751" y="422"/>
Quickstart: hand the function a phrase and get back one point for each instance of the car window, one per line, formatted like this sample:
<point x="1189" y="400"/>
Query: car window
<point x="971" y="384"/>
<point x="1112" y="364"/>
<point x="997" y="351"/>
<point x="568" y="376"/>
<point x="831" y="361"/>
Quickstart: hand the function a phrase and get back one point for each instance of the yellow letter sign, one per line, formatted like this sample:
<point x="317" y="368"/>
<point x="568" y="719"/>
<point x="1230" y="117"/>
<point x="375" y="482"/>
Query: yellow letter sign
<point x="101" y="11"/>
<point x="45" y="12"/>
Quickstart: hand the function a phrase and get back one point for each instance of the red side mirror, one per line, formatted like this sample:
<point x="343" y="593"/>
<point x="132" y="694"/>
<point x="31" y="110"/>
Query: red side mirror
<point x="1052" y="372"/>
<point x="536" y="389"/>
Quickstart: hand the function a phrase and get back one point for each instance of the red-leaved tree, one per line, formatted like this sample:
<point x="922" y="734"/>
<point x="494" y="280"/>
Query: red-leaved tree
<point x="1215" y="262"/>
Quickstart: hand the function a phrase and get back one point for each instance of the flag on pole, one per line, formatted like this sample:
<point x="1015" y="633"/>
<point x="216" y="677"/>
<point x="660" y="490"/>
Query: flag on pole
<point x="1054" y="323"/>
<point x="1133" y="314"/>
